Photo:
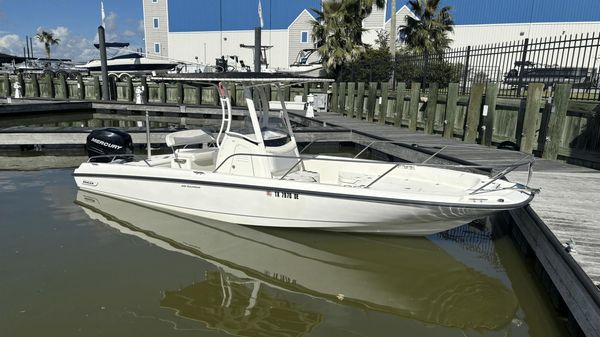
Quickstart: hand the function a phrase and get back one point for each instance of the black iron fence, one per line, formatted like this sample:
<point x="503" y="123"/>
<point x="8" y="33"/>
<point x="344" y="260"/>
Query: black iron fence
<point x="564" y="59"/>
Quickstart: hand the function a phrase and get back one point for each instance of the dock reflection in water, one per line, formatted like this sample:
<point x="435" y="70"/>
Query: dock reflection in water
<point x="413" y="278"/>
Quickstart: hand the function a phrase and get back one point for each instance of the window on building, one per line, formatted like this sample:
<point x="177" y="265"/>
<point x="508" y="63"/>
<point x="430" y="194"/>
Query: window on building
<point x="304" y="37"/>
<point x="156" y="47"/>
<point x="155" y="23"/>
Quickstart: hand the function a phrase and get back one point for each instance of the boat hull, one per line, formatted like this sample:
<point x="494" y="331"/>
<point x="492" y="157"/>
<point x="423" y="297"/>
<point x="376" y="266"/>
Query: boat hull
<point x="289" y="205"/>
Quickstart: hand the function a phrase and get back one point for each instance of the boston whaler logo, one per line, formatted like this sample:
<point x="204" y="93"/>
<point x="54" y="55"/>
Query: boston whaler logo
<point x="89" y="183"/>
<point x="107" y="144"/>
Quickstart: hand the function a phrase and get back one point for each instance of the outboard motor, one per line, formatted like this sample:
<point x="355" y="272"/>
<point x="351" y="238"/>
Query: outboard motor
<point x="109" y="141"/>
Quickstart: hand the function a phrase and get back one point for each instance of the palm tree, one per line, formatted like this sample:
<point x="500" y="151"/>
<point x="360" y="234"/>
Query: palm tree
<point x="337" y="32"/>
<point x="47" y="38"/>
<point x="428" y="33"/>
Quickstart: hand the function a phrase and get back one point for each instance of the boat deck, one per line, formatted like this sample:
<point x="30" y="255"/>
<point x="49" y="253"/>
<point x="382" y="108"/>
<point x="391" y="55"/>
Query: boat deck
<point x="567" y="202"/>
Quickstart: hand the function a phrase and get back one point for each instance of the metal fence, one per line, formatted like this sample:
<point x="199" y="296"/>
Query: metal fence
<point x="563" y="59"/>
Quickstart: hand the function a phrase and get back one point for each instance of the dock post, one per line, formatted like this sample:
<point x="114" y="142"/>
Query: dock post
<point x="21" y="82"/>
<point x="129" y="89"/>
<point x="413" y="109"/>
<point x="6" y="85"/>
<point x="80" y="87"/>
<point x="487" y="131"/>
<point x="162" y="92"/>
<point x="351" y="98"/>
<point x="371" y="101"/>
<point x="103" y="64"/>
<point x="473" y="113"/>
<point x="359" y="102"/>
<point x="305" y="91"/>
<point x="431" y="107"/>
<point x="50" y="84"/>
<point x="180" y="93"/>
<point x="385" y="93"/>
<point x="451" y="107"/>
<point x="558" y="116"/>
<point x="145" y="90"/>
<point x="333" y="106"/>
<point x="97" y="88"/>
<point x="35" y="85"/>
<point x="532" y="110"/>
<point x="62" y="86"/>
<point x="342" y="98"/>
<point x="399" y="106"/>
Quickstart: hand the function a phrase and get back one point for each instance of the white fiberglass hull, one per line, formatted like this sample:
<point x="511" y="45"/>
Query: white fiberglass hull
<point x="279" y="203"/>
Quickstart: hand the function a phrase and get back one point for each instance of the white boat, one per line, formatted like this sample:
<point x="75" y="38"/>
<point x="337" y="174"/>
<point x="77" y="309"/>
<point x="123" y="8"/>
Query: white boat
<point x="411" y="278"/>
<point x="256" y="176"/>
<point x="130" y="63"/>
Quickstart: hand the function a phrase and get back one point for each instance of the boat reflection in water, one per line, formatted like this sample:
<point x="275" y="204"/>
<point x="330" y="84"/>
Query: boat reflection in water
<point x="408" y="277"/>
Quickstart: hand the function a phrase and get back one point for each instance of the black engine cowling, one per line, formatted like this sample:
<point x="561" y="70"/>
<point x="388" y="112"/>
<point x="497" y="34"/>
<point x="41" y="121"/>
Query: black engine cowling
<point x="108" y="141"/>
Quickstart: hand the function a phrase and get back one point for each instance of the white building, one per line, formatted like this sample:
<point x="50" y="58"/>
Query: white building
<point x="287" y="38"/>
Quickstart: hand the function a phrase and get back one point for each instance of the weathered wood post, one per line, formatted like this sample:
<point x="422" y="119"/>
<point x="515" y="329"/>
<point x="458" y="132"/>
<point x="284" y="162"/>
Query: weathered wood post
<point x="342" y="98"/>
<point x="180" y="94"/>
<point x="63" y="89"/>
<point x="532" y="110"/>
<point x="431" y="107"/>
<point x="371" y="101"/>
<point x="162" y="92"/>
<point x="351" y="98"/>
<point x="232" y="94"/>
<point x="359" y="102"/>
<point x="491" y="96"/>
<point x="451" y="108"/>
<point x="474" y="112"/>
<point x="399" y="106"/>
<point x="556" y="121"/>
<point x="334" y="97"/>
<point x="97" y="88"/>
<point x="413" y="108"/>
<point x="22" y="84"/>
<point x="50" y="85"/>
<point x="6" y="85"/>
<point x="146" y="91"/>
<point x="305" y="91"/>
<point x="385" y="93"/>
<point x="80" y="87"/>
<point x="129" y="89"/>
<point x="35" y="85"/>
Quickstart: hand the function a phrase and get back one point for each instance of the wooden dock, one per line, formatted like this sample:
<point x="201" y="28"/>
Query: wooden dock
<point x="566" y="205"/>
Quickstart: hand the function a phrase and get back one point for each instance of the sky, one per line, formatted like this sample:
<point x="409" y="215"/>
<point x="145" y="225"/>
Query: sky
<point x="75" y="22"/>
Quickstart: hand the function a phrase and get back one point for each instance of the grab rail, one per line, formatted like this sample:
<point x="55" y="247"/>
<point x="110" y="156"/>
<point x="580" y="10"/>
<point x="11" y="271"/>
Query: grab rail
<point x="506" y="168"/>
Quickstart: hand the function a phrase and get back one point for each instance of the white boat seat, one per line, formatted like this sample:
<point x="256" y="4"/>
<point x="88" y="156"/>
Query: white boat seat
<point x="188" y="137"/>
<point x="192" y="159"/>
<point x="304" y="176"/>
<point x="353" y="179"/>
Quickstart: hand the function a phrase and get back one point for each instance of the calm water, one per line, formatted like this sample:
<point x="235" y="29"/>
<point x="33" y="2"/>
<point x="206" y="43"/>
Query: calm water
<point x="78" y="264"/>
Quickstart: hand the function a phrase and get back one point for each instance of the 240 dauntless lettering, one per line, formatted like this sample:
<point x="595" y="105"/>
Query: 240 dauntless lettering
<point x="107" y="144"/>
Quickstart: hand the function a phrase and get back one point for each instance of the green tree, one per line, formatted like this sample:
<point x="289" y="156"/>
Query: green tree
<point x="47" y="38"/>
<point x="337" y="32"/>
<point x="428" y="33"/>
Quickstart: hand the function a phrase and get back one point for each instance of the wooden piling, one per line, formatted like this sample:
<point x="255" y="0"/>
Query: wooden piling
<point x="474" y="112"/>
<point x="6" y="85"/>
<point x="556" y="121"/>
<point x="334" y="97"/>
<point x="371" y="100"/>
<point x="342" y="98"/>
<point x="162" y="92"/>
<point x="399" y="104"/>
<point x="80" y="86"/>
<point x="491" y="96"/>
<point x="97" y="88"/>
<point x="305" y="91"/>
<point x="413" y="109"/>
<point x="385" y="93"/>
<point x="359" y="102"/>
<point x="180" y="93"/>
<point x="431" y="107"/>
<point x="351" y="98"/>
<point x="532" y="110"/>
<point x="451" y="109"/>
